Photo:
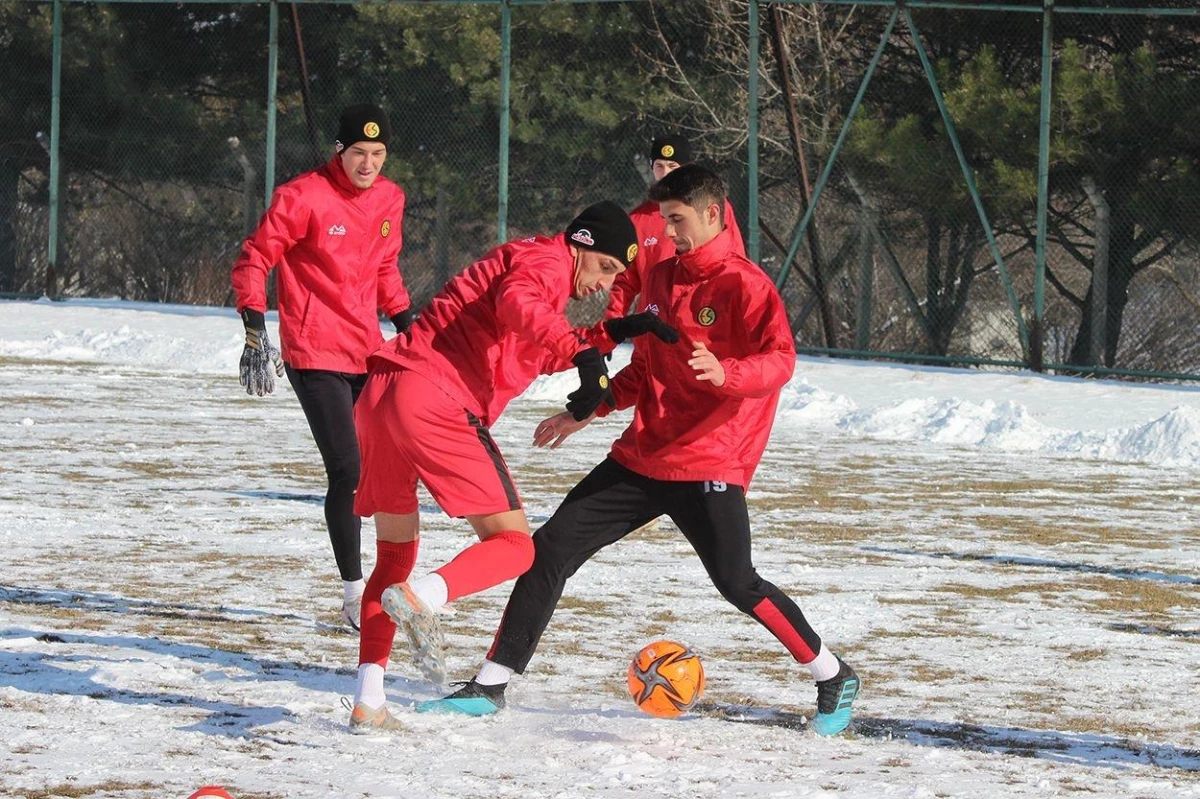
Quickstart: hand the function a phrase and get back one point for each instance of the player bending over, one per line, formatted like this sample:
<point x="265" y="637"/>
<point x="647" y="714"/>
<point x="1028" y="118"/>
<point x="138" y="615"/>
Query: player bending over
<point x="424" y="413"/>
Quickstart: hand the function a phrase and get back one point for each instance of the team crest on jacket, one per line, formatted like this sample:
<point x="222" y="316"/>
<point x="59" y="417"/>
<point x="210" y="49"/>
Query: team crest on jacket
<point x="584" y="237"/>
<point x="706" y="316"/>
<point x="385" y="228"/>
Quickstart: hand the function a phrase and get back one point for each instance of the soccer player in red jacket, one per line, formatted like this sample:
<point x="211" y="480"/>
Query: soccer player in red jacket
<point x="702" y="416"/>
<point x="424" y="416"/>
<point x="667" y="153"/>
<point x="333" y="236"/>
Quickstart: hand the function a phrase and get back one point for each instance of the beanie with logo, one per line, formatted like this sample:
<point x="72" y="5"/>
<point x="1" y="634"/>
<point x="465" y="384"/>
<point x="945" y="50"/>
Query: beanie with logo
<point x="671" y="148"/>
<point x="364" y="122"/>
<point x="605" y="227"/>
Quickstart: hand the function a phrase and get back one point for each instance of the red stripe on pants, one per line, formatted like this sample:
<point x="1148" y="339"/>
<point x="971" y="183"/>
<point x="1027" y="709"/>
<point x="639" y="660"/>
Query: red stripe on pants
<point x="766" y="612"/>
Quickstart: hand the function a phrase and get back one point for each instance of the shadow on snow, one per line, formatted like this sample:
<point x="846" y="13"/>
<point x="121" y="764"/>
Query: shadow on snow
<point x="1017" y="560"/>
<point x="1089" y="749"/>
<point x="67" y="663"/>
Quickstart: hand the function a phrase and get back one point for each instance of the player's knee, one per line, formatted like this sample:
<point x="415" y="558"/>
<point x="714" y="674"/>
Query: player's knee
<point x="743" y="593"/>
<point x="343" y="475"/>
<point x="552" y="554"/>
<point x="525" y="551"/>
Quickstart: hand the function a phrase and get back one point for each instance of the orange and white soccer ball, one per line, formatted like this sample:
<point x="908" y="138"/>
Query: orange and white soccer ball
<point x="211" y="792"/>
<point x="666" y="679"/>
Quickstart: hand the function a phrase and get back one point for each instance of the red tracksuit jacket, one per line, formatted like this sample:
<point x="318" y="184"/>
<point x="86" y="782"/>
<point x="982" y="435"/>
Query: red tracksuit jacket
<point x="336" y="247"/>
<point x="684" y="428"/>
<point x="654" y="246"/>
<point x="495" y="327"/>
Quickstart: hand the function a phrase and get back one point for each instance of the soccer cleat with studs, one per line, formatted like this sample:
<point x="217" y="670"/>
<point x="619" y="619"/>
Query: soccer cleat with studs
<point x="352" y="613"/>
<point x="834" y="699"/>
<point x="472" y="699"/>
<point x="420" y="625"/>
<point x="365" y="719"/>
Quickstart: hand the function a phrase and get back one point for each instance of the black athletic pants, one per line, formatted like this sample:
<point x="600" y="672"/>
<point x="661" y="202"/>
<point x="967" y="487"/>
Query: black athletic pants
<point x="612" y="502"/>
<point x="327" y="399"/>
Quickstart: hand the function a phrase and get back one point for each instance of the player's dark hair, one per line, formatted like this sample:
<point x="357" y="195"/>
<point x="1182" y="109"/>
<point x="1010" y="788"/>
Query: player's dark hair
<point x="690" y="184"/>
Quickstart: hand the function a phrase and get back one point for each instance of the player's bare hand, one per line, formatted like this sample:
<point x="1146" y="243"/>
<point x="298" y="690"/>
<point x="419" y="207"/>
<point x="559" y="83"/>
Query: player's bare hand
<point x="706" y="365"/>
<point x="554" y="431"/>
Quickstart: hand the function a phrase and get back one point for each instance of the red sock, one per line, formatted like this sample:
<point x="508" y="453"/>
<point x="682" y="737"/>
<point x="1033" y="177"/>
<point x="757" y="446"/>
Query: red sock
<point x="393" y="564"/>
<point x="503" y="556"/>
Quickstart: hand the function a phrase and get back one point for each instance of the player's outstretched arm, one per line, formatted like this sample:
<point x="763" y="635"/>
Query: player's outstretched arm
<point x="555" y="430"/>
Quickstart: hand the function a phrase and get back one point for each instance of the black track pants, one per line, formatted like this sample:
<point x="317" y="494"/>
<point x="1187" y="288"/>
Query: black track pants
<point x="612" y="502"/>
<point x="327" y="399"/>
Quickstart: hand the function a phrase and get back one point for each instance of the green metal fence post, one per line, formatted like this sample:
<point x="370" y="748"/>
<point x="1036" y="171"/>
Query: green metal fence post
<point x="272" y="86"/>
<point x="753" y="235"/>
<point x="51" y="287"/>
<point x="1037" y="352"/>
<point x="798" y="236"/>
<point x="984" y="222"/>
<point x="505" y="102"/>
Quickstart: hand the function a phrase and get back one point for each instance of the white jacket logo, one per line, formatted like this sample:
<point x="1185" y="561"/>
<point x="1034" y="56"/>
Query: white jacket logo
<point x="337" y="230"/>
<point x="653" y="308"/>
<point x="650" y="241"/>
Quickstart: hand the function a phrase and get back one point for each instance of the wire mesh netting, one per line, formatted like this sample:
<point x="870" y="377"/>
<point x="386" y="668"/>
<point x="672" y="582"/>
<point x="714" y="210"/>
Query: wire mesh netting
<point x="163" y="152"/>
<point x="25" y="62"/>
<point x="897" y="257"/>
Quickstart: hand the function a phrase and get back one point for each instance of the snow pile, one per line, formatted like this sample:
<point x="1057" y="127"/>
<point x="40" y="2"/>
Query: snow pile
<point x="174" y="337"/>
<point x="892" y="402"/>
<point x="1171" y="440"/>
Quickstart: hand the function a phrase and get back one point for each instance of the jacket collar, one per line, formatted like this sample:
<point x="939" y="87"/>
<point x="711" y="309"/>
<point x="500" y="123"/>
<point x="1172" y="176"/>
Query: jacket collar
<point x="338" y="175"/>
<point x="705" y="258"/>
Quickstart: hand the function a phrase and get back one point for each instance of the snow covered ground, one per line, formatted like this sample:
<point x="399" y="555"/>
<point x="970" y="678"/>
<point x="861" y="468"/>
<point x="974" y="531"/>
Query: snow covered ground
<point x="1011" y="562"/>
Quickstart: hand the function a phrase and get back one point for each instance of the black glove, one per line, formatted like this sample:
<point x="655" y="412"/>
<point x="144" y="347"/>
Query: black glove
<point x="259" y="356"/>
<point x="639" y="324"/>
<point x="593" y="384"/>
<point x="403" y="320"/>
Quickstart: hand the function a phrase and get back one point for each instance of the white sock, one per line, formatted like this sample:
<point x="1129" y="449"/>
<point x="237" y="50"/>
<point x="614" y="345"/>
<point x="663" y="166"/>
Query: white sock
<point x="370" y="686"/>
<point x="353" y="589"/>
<point x="493" y="674"/>
<point x="824" y="666"/>
<point x="432" y="590"/>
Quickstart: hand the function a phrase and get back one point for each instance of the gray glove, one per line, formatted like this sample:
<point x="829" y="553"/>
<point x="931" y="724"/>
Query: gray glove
<point x="260" y="357"/>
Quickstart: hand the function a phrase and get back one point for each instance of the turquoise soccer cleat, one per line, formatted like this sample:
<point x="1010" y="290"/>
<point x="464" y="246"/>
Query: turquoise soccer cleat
<point x="834" y="699"/>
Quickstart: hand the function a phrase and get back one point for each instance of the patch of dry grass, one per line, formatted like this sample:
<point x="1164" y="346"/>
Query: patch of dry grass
<point x="1128" y="597"/>
<point x="599" y="608"/>
<point x="1029" y="510"/>
<point x="101" y="789"/>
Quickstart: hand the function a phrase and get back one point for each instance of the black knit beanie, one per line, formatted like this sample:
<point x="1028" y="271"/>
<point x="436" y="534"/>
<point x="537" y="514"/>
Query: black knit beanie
<point x="671" y="148"/>
<point x="605" y="227"/>
<point x="363" y="122"/>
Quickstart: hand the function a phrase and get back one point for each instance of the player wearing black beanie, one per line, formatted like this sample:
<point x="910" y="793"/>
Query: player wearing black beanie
<point x="333" y="238"/>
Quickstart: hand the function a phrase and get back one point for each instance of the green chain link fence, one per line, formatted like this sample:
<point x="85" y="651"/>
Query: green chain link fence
<point x="901" y="174"/>
<point x="902" y="254"/>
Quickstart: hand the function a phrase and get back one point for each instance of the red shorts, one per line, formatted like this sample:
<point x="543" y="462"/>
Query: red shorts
<point x="409" y="430"/>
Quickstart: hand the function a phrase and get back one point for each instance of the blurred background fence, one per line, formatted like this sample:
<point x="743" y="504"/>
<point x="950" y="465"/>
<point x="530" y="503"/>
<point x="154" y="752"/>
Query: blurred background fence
<point x="1010" y="184"/>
